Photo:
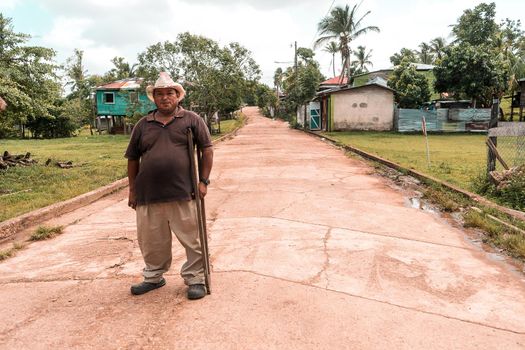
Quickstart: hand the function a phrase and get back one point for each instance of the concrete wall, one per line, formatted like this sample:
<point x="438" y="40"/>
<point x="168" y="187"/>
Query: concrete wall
<point x="366" y="108"/>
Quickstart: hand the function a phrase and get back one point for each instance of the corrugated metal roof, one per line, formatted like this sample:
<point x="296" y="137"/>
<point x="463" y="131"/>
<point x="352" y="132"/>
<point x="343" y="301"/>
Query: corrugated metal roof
<point x="419" y="66"/>
<point x="124" y="84"/>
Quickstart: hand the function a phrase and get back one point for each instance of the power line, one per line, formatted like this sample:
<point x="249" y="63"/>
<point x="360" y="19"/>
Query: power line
<point x="327" y="12"/>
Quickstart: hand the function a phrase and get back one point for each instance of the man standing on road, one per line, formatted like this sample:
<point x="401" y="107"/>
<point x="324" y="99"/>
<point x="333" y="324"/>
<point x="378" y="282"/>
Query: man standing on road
<point x="161" y="190"/>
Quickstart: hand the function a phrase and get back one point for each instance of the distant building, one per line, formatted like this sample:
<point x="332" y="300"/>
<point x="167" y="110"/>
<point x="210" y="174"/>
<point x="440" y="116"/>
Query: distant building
<point x="118" y="100"/>
<point x="367" y="107"/>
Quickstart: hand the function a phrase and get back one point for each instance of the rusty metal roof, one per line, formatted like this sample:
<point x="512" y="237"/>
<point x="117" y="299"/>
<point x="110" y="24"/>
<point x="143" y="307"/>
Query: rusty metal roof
<point x="124" y="84"/>
<point x="334" y="81"/>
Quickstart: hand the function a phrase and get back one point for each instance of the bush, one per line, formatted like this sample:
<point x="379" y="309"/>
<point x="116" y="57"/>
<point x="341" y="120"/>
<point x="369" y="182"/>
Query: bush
<point x="511" y="192"/>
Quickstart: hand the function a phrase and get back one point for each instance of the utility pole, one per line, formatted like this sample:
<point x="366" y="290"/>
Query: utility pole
<point x="295" y="56"/>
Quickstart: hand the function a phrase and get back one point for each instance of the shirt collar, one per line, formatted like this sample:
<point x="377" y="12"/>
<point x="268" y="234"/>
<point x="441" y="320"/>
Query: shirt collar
<point x="179" y="113"/>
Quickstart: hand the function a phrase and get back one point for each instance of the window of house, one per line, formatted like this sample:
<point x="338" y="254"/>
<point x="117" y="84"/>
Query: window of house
<point x="109" y="97"/>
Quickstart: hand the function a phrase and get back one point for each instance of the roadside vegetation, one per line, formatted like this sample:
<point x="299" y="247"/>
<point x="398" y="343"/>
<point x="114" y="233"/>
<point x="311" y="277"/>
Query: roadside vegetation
<point x="499" y="230"/>
<point x="454" y="158"/>
<point x="11" y="251"/>
<point x="44" y="232"/>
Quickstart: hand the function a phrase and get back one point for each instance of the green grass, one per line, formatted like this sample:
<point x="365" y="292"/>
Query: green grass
<point x="501" y="236"/>
<point x="44" y="232"/>
<point x="98" y="161"/>
<point x="455" y="158"/>
<point x="229" y="125"/>
<point x="9" y="252"/>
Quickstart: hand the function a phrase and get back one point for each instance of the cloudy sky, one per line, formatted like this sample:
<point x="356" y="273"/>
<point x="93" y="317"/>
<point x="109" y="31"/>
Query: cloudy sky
<point x="268" y="28"/>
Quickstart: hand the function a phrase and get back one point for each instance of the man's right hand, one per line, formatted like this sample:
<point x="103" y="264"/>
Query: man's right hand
<point x="132" y="199"/>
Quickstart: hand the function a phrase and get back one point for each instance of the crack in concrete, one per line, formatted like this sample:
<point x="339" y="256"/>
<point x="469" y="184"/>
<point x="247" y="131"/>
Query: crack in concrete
<point x="326" y="264"/>
<point x="352" y="229"/>
<point x="375" y="300"/>
<point x="291" y="204"/>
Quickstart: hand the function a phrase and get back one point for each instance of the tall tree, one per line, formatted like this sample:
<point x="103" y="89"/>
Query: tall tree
<point x="362" y="60"/>
<point x="215" y="78"/>
<point x="79" y="104"/>
<point x="343" y="25"/>
<point x="28" y="80"/>
<point x="301" y="85"/>
<point x="411" y="88"/>
<point x="278" y="79"/>
<point x="424" y="53"/>
<point x="122" y="69"/>
<point x="332" y="48"/>
<point x="404" y="53"/>
<point x="437" y="45"/>
<point x="76" y="73"/>
<point x="476" y="26"/>
<point x="468" y="72"/>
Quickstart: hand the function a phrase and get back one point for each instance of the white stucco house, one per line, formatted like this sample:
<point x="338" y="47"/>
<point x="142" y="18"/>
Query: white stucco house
<point x="365" y="107"/>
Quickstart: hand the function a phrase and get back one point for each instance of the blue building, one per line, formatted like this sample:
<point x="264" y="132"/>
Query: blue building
<point x="118" y="100"/>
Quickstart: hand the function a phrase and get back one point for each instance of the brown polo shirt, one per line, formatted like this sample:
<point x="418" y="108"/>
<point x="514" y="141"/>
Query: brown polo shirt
<point x="165" y="172"/>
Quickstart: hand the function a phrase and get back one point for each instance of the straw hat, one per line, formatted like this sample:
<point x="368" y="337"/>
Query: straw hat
<point x="163" y="82"/>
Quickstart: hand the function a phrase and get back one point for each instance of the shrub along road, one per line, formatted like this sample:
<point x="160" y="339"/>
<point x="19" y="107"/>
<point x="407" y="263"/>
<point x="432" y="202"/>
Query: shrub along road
<point x="310" y="250"/>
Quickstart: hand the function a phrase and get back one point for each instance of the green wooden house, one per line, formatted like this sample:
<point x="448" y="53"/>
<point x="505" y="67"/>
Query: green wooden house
<point x="118" y="100"/>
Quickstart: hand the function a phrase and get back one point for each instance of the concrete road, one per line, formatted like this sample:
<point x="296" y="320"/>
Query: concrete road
<point x="310" y="250"/>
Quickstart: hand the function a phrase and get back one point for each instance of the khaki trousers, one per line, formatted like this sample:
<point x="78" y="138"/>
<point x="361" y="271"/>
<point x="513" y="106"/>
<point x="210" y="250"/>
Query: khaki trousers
<point x="155" y="225"/>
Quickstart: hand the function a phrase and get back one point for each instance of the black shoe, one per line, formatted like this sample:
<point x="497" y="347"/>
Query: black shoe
<point x="196" y="291"/>
<point x="144" y="287"/>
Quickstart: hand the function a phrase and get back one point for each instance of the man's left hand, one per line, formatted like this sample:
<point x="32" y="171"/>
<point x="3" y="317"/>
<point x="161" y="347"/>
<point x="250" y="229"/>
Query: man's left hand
<point x="203" y="189"/>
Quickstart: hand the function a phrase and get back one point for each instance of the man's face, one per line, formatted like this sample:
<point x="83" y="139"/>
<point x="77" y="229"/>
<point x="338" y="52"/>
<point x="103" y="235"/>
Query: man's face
<point x="166" y="99"/>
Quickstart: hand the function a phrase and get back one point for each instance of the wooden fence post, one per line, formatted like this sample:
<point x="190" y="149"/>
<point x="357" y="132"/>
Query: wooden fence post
<point x="491" y="157"/>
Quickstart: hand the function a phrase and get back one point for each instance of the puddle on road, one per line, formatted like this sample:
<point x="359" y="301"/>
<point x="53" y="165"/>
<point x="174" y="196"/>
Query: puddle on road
<point x="417" y="203"/>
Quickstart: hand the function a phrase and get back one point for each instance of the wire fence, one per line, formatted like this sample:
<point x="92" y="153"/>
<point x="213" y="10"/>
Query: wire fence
<point x="506" y="146"/>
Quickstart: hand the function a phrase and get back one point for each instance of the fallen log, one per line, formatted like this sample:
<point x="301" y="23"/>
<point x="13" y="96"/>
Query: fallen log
<point x="9" y="160"/>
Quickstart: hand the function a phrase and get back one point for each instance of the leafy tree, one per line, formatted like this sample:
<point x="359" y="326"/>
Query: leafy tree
<point x="343" y="25"/>
<point x="122" y="69"/>
<point x="304" y="54"/>
<point x="266" y="98"/>
<point x="332" y="48"/>
<point x="477" y="26"/>
<point x="160" y="57"/>
<point x="482" y="60"/>
<point x="300" y="86"/>
<point x="404" y="53"/>
<point x="28" y="81"/>
<point x="362" y="60"/>
<point x="411" y="87"/>
<point x="215" y="78"/>
<point x="467" y="71"/>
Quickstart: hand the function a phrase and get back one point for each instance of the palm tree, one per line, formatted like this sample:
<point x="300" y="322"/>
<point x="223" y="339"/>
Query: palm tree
<point x="332" y="48"/>
<point x="425" y="55"/>
<point x="437" y="46"/>
<point x="362" y="59"/>
<point x="343" y="24"/>
<point x="278" y="79"/>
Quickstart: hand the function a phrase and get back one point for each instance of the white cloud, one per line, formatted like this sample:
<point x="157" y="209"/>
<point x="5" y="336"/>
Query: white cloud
<point x="8" y="4"/>
<point x="104" y="29"/>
